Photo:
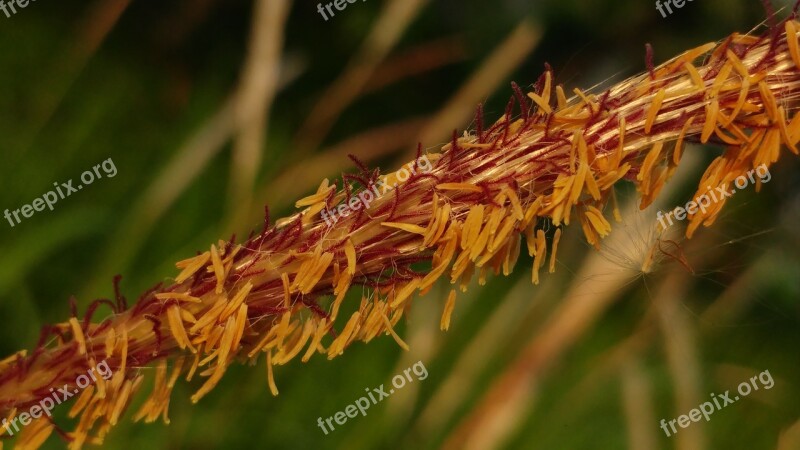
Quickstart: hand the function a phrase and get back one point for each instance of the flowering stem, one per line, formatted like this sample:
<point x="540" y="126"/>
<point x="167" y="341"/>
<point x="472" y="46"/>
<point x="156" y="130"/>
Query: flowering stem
<point x="555" y="160"/>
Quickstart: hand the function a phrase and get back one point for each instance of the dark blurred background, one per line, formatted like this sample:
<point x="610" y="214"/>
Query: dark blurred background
<point x="158" y="87"/>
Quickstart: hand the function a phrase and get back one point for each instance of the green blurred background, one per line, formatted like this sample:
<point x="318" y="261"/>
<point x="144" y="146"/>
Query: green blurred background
<point x="151" y="85"/>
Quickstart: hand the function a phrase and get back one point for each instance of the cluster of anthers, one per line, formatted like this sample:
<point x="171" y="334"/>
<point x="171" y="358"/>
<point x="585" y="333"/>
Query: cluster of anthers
<point x="556" y="160"/>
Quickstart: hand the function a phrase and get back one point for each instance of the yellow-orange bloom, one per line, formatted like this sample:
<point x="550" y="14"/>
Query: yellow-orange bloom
<point x="556" y="160"/>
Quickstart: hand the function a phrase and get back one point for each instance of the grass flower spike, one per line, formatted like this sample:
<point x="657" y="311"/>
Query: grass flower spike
<point x="549" y="161"/>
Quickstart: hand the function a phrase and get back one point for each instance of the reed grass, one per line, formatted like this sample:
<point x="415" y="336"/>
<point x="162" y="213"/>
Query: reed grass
<point x="548" y="161"/>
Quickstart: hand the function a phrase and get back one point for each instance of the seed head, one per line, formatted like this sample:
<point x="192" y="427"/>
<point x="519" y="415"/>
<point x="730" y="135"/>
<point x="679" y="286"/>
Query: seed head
<point x="548" y="161"/>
